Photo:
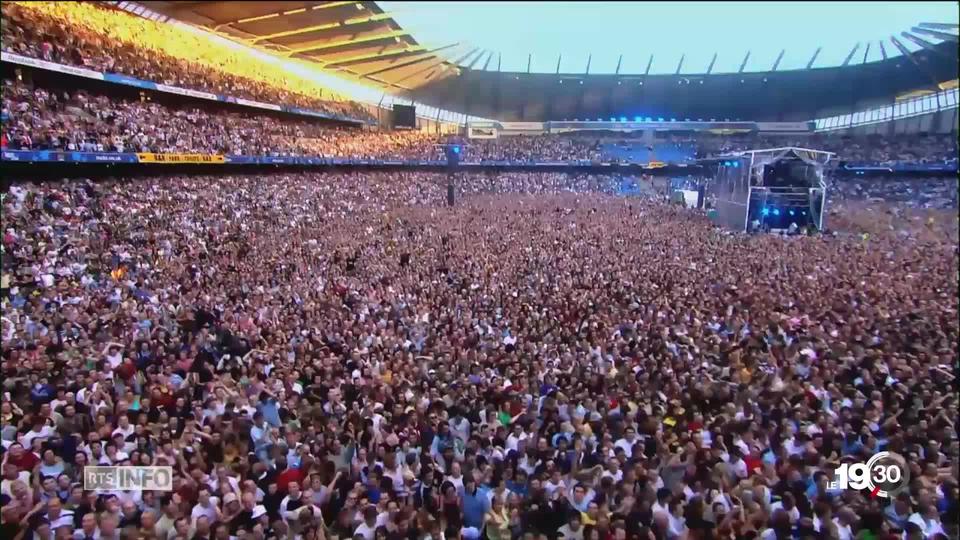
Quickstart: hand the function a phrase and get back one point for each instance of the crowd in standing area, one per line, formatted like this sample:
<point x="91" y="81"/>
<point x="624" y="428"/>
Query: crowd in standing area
<point x="341" y="356"/>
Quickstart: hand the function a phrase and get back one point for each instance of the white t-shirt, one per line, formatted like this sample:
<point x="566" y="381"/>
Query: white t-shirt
<point x="44" y="433"/>
<point x="549" y="487"/>
<point x="677" y="526"/>
<point x="927" y="527"/>
<point x="200" y="510"/>
<point x="794" y="512"/>
<point x="368" y="532"/>
<point x="513" y="441"/>
<point x="845" y="531"/>
<point x="626" y="445"/>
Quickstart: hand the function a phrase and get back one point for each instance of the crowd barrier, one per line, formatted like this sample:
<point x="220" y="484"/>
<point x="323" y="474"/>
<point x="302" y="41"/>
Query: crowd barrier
<point x="179" y="158"/>
<point x="173" y="159"/>
<point x="107" y="157"/>
<point x="150" y="85"/>
<point x="902" y="167"/>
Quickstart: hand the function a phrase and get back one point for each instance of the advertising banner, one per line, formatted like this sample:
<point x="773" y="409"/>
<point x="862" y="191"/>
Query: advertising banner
<point x="179" y="158"/>
<point x="50" y="66"/>
<point x="80" y="157"/>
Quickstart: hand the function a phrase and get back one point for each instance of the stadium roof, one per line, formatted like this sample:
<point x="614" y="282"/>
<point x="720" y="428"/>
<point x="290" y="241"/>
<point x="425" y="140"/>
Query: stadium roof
<point x="658" y="38"/>
<point x="356" y="39"/>
<point x="476" y="63"/>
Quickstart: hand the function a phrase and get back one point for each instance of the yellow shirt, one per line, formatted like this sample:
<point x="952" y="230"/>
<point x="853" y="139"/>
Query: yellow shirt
<point x="498" y="524"/>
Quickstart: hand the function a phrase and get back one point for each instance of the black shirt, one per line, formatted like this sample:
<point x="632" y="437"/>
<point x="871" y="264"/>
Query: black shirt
<point x="244" y="520"/>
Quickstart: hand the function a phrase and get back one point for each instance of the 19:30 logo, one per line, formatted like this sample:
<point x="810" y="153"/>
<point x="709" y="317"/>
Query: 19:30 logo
<point x="885" y="475"/>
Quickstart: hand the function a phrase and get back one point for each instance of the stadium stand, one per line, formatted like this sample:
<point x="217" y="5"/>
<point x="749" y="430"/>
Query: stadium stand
<point x="54" y="118"/>
<point x="522" y="348"/>
<point x="110" y="40"/>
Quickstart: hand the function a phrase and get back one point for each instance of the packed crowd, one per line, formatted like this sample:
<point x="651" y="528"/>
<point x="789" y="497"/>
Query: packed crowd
<point x="534" y="148"/>
<point x="107" y="39"/>
<point x="51" y="118"/>
<point x="39" y="118"/>
<point x="334" y="356"/>
<point x="874" y="149"/>
<point x="103" y="38"/>
<point x="935" y="193"/>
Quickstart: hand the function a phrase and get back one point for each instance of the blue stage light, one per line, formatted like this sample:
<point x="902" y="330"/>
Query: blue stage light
<point x="792" y="212"/>
<point x="765" y="211"/>
<point x="776" y="211"/>
<point x="803" y="212"/>
<point x="736" y="163"/>
<point x="638" y="119"/>
<point x="456" y="149"/>
<point x="613" y="118"/>
<point x="623" y="118"/>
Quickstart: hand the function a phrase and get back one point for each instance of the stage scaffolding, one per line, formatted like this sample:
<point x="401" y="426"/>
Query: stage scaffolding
<point x="756" y="186"/>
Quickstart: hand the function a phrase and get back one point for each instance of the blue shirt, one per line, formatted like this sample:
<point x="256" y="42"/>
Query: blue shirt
<point x="515" y="487"/>
<point x="474" y="508"/>
<point x="270" y="411"/>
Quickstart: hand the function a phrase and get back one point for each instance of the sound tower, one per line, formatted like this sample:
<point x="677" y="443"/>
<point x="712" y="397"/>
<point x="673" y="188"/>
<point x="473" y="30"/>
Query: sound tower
<point x="450" y="190"/>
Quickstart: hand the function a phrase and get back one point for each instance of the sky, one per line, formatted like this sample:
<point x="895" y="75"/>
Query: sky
<point x="667" y="30"/>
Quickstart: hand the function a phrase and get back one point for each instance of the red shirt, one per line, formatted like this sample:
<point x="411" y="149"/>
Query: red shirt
<point x="287" y="476"/>
<point x="28" y="460"/>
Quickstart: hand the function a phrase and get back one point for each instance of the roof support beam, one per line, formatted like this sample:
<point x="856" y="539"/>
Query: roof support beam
<point x="712" y="62"/>
<point x="487" y="63"/>
<point x="366" y="58"/>
<point x="850" y="55"/>
<point x="865" y="53"/>
<point x="903" y="50"/>
<point x="883" y="50"/>
<point x="776" y="64"/>
<point x="935" y="33"/>
<point x="921" y="42"/>
<point x="401" y="65"/>
<point x="649" y="63"/>
<point x="433" y="65"/>
<point x="496" y="87"/>
<point x="529" y="61"/>
<point x="743" y="65"/>
<point x="338" y="24"/>
<point x="426" y="56"/>
<point x="559" y="58"/>
<point x="813" y="58"/>
<point x="619" y="62"/>
<point x="327" y="5"/>
<point x="680" y="63"/>
<point x="922" y="69"/>
<point x="395" y="34"/>
<point x="940" y="26"/>
<point x="589" y="59"/>
<point x="476" y="59"/>
<point x="459" y="61"/>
